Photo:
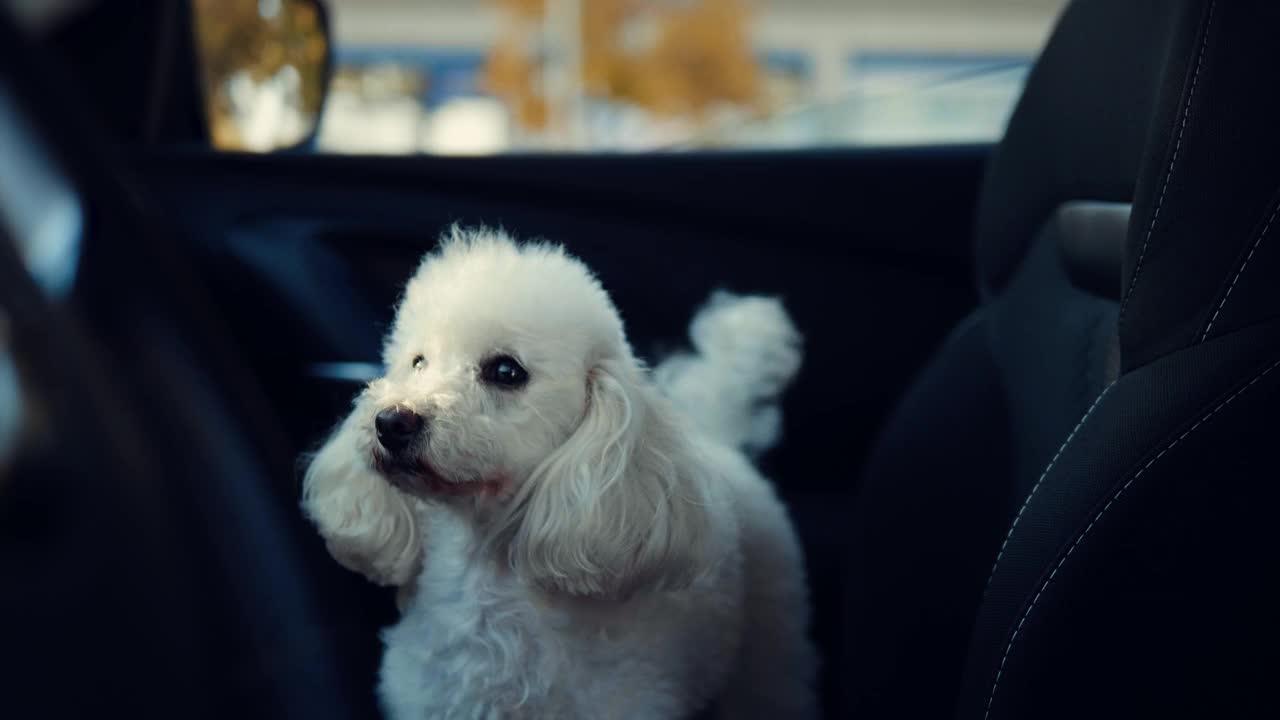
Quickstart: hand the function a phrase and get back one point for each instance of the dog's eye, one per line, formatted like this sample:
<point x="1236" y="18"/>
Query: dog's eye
<point x="419" y="362"/>
<point x="504" y="371"/>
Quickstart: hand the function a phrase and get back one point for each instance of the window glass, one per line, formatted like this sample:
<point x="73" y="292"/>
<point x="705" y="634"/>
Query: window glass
<point x="492" y="76"/>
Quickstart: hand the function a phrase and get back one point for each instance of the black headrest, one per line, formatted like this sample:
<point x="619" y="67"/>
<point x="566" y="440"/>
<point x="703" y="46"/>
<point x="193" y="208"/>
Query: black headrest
<point x="1091" y="241"/>
<point x="1203" y="251"/>
<point x="1080" y="129"/>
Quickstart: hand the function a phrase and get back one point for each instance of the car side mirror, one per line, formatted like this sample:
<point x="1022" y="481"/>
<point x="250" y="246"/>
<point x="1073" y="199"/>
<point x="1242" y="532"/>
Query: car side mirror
<point x="265" y="67"/>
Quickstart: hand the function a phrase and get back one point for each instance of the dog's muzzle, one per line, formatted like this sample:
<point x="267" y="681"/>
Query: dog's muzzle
<point x="398" y="427"/>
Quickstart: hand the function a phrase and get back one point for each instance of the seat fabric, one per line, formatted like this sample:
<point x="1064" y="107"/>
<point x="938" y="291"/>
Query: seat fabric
<point x="1138" y="581"/>
<point x="992" y="408"/>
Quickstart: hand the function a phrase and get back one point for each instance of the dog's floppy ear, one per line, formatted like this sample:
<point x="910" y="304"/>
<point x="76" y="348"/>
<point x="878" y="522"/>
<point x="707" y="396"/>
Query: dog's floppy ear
<point x="623" y="505"/>
<point x="369" y="526"/>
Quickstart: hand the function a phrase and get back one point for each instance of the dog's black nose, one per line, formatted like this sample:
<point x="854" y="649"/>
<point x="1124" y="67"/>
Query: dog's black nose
<point x="397" y="427"/>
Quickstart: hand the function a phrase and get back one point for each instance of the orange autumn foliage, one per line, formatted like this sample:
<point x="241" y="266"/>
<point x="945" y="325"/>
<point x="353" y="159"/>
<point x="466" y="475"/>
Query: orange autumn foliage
<point x="670" y="57"/>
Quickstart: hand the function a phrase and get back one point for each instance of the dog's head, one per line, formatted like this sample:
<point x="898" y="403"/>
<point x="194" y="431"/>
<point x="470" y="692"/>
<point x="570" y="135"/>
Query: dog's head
<point x="512" y="395"/>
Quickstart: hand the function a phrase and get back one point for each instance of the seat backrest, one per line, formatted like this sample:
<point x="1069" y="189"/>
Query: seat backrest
<point x="1138" y="582"/>
<point x="144" y="552"/>
<point x="991" y="409"/>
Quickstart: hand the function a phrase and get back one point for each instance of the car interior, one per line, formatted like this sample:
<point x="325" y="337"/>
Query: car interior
<point x="1027" y="455"/>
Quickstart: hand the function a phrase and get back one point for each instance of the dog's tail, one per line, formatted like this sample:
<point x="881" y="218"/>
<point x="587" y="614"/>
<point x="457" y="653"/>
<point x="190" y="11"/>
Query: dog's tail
<point x="746" y="351"/>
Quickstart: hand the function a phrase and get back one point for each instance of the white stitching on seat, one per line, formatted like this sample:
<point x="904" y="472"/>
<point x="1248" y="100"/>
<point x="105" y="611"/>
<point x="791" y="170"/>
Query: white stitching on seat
<point x="1168" y="175"/>
<point x="1036" y="487"/>
<point x="1240" y="272"/>
<point x="1045" y="586"/>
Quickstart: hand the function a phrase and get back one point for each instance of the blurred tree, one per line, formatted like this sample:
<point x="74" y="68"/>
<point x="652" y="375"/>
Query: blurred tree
<point x="670" y="57"/>
<point x="260" y="38"/>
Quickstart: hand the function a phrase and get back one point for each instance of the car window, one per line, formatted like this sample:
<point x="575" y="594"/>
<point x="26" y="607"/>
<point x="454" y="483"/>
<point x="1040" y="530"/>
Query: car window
<point x="466" y="77"/>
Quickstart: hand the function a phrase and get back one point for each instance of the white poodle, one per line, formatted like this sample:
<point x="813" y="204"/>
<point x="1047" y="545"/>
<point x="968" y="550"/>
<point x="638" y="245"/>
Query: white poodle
<point x="573" y="545"/>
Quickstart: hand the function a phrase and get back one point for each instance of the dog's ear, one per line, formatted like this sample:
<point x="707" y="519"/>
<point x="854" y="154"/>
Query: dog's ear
<point x="624" y="504"/>
<point x="368" y="525"/>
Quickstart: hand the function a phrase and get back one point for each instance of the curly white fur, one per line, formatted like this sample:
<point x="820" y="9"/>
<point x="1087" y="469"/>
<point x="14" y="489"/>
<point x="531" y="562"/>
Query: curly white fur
<point x="576" y="547"/>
